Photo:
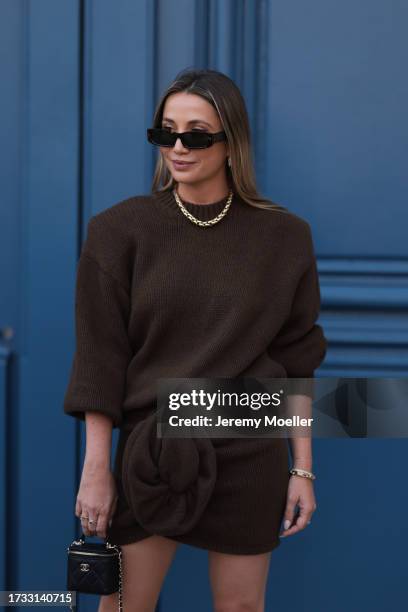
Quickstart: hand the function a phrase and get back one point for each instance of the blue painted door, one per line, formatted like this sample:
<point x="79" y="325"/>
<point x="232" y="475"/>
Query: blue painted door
<point x="326" y="98"/>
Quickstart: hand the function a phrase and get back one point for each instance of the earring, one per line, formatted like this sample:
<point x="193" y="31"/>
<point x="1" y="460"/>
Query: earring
<point x="229" y="162"/>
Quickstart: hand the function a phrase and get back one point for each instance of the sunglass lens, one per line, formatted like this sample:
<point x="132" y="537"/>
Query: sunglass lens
<point x="164" y="138"/>
<point x="195" y="140"/>
<point x="161" y="138"/>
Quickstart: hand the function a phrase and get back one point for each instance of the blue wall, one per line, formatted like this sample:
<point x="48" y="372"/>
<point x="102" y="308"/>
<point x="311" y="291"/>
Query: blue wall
<point x="326" y="93"/>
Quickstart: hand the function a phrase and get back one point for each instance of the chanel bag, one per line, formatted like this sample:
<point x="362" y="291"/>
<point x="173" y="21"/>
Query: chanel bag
<point x="94" y="568"/>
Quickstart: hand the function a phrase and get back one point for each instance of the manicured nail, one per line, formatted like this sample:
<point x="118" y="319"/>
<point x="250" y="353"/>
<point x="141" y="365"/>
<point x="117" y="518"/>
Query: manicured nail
<point x="286" y="524"/>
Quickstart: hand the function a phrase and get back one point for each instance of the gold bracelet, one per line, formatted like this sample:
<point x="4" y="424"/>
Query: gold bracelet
<point x="304" y="473"/>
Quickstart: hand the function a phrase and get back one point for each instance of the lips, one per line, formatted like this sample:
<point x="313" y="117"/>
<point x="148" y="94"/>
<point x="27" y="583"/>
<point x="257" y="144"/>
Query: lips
<point x="181" y="163"/>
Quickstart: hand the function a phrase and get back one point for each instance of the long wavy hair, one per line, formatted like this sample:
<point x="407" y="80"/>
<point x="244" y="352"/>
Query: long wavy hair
<point x="222" y="93"/>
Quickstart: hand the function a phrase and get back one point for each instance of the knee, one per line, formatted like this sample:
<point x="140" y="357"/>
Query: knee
<point x="242" y="605"/>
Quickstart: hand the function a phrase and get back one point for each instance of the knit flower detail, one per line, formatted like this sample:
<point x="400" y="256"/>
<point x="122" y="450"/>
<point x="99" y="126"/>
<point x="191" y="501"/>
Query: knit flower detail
<point x="167" y="482"/>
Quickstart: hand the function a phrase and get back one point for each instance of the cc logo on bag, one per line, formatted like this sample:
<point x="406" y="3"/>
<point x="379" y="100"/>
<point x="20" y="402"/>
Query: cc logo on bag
<point x="84" y="567"/>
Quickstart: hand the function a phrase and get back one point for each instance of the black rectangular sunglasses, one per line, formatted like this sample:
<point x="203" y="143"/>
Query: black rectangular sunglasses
<point x="191" y="140"/>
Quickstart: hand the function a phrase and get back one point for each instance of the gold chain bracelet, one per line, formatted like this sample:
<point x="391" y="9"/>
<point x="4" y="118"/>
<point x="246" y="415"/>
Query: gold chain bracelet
<point x="303" y="473"/>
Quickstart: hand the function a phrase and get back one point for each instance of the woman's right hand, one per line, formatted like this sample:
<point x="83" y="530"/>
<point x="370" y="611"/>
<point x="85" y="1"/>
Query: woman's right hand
<point x="97" y="498"/>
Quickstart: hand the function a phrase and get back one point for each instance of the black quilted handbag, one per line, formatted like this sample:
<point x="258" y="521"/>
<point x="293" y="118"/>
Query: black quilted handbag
<point x="95" y="568"/>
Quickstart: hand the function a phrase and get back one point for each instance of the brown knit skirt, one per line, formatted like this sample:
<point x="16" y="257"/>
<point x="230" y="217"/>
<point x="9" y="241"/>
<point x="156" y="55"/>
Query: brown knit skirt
<point x="245" y="510"/>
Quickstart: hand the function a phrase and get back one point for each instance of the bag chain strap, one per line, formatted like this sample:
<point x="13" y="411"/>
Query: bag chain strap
<point x="119" y="551"/>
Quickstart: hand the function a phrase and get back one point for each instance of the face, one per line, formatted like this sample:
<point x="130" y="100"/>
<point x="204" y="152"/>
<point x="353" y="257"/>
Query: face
<point x="186" y="112"/>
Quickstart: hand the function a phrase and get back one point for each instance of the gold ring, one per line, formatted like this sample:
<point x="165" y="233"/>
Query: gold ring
<point x="90" y="521"/>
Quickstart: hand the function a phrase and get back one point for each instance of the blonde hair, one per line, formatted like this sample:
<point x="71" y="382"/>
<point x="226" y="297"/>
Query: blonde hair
<point x="222" y="93"/>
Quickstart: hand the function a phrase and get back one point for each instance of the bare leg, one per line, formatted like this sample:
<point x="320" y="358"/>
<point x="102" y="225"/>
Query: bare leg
<point x="144" y="567"/>
<point x="238" y="582"/>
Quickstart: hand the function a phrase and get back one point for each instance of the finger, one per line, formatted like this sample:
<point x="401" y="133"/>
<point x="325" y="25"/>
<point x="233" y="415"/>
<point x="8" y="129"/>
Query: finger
<point x="291" y="528"/>
<point x="84" y="522"/>
<point x="112" y="512"/>
<point x="78" y="508"/>
<point x="115" y="503"/>
<point x="92" y="523"/>
<point x="306" y="515"/>
<point x="301" y="521"/>
<point x="88" y="522"/>
<point x="289" y="514"/>
<point x="102" y="525"/>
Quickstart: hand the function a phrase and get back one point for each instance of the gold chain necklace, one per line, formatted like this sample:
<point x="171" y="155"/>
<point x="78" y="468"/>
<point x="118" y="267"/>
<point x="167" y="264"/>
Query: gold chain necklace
<point x="199" y="222"/>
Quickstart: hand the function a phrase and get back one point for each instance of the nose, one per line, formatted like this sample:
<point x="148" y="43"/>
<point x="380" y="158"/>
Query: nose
<point x="178" y="146"/>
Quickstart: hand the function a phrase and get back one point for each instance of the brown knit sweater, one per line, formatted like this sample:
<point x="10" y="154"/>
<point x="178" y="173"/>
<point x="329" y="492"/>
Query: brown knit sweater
<point x="158" y="296"/>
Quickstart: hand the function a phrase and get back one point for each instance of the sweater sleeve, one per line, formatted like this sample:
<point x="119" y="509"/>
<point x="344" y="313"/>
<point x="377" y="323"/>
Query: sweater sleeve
<point x="300" y="345"/>
<point x="103" y="350"/>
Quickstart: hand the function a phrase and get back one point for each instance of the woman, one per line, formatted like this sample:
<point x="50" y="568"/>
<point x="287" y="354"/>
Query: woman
<point x="201" y="278"/>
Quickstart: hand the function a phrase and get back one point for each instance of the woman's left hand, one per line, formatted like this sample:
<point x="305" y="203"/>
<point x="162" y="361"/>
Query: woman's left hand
<point x="301" y="493"/>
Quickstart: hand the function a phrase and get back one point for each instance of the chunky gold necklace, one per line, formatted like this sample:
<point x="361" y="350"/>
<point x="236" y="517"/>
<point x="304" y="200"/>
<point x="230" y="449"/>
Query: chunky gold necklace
<point x="199" y="222"/>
